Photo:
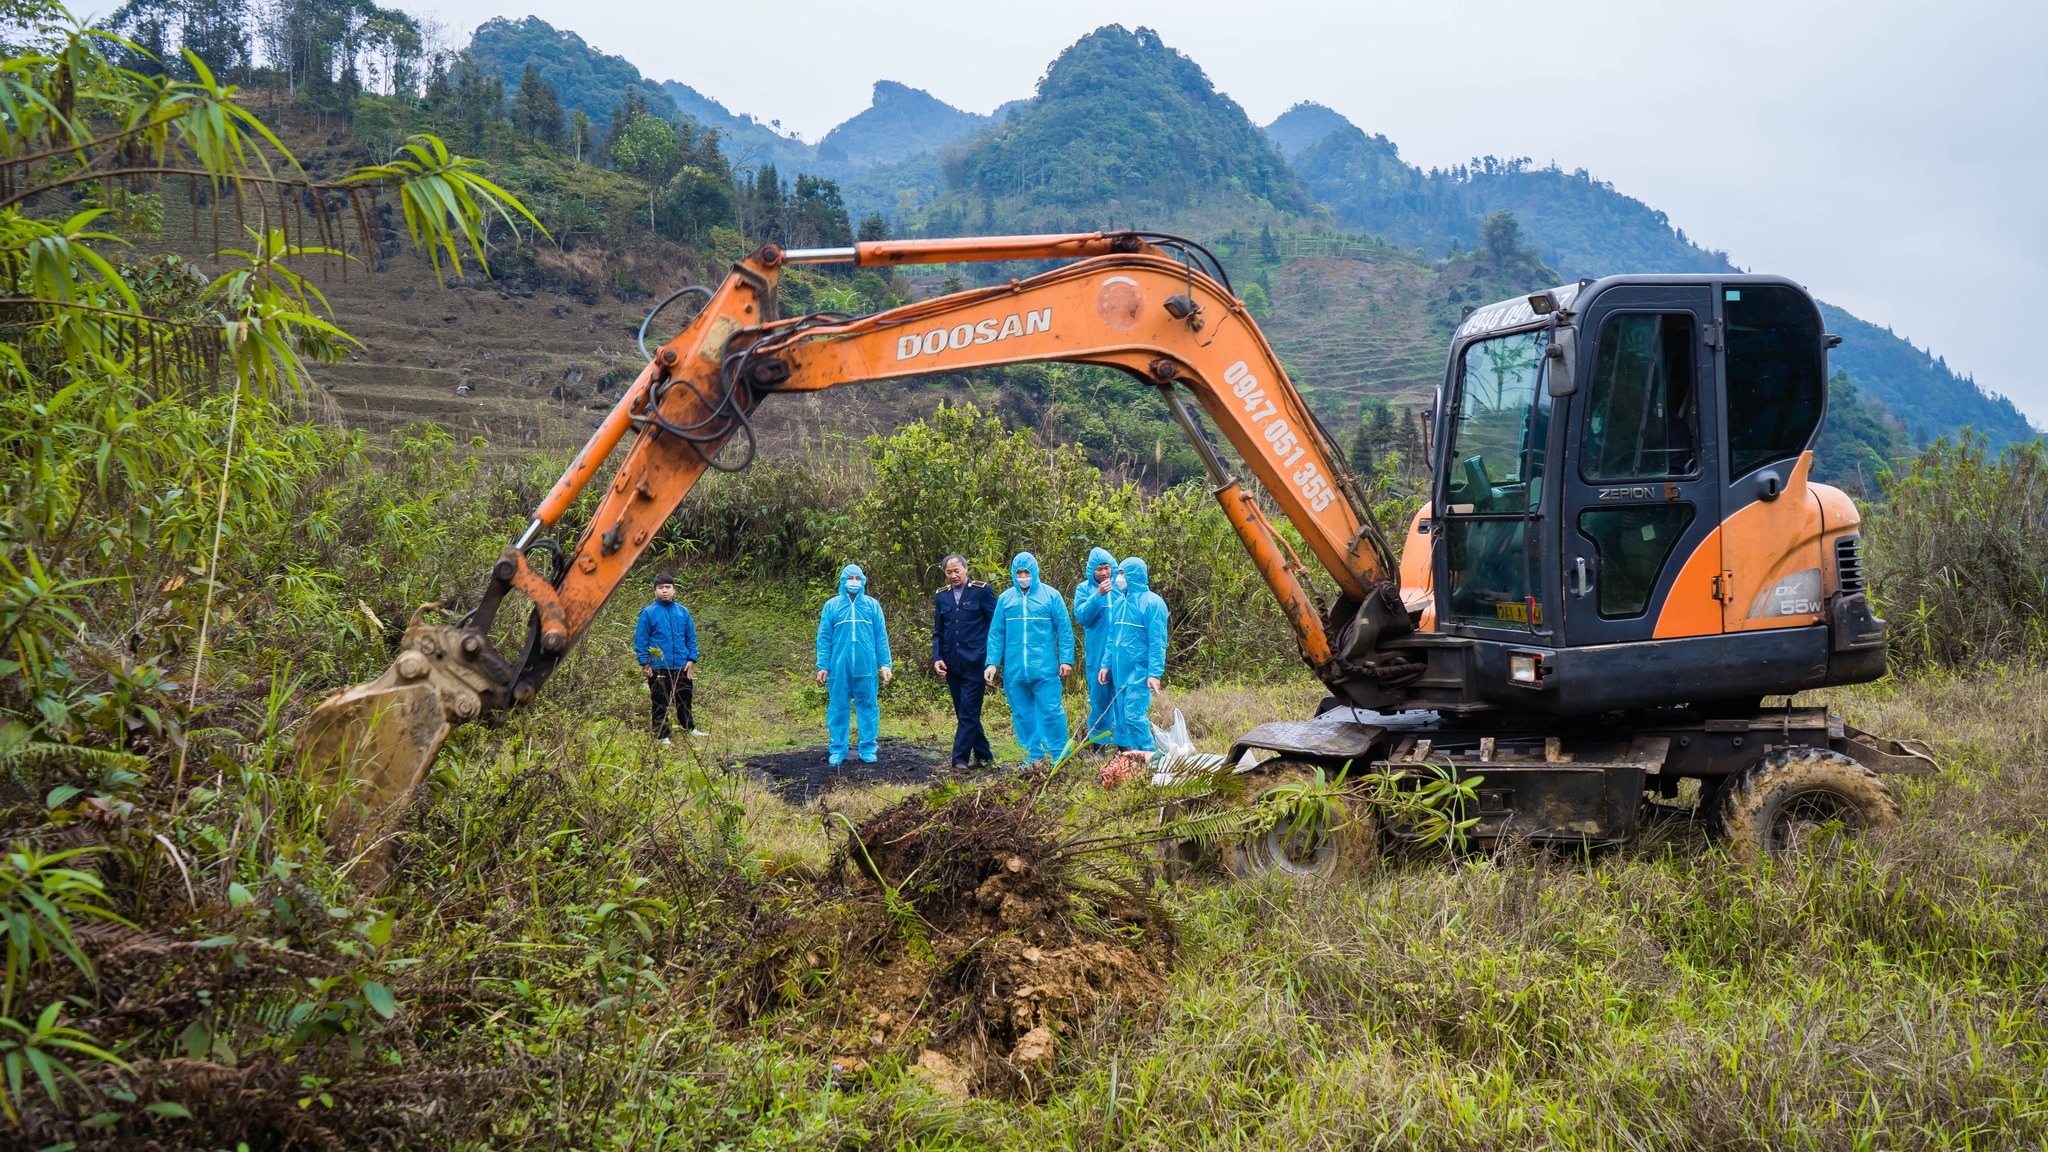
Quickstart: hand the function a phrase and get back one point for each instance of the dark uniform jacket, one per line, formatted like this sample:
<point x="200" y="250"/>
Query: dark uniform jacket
<point x="960" y="632"/>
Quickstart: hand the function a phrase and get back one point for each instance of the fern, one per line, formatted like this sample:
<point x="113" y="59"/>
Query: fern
<point x="23" y="759"/>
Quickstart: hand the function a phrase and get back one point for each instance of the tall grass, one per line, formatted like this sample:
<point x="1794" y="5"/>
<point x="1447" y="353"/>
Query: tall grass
<point x="540" y="963"/>
<point x="535" y="958"/>
<point x="1959" y="553"/>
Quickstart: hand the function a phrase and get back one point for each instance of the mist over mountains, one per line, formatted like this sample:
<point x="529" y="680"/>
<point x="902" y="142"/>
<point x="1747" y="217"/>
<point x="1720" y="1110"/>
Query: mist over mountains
<point x="1124" y="130"/>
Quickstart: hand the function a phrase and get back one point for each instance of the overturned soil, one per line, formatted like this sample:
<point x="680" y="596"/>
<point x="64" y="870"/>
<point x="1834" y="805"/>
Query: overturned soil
<point x="804" y="774"/>
<point x="959" y="932"/>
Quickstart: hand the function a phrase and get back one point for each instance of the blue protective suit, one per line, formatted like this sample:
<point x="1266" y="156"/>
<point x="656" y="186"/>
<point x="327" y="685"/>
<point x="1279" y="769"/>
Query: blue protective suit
<point x="1136" y="650"/>
<point x="853" y="648"/>
<point x="1029" y="638"/>
<point x="1091" y="612"/>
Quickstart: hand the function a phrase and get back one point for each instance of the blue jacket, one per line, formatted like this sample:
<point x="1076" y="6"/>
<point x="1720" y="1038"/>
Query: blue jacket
<point x="669" y="628"/>
<point x="853" y="636"/>
<point x="1137" y="636"/>
<point x="1091" y="607"/>
<point x="960" y="631"/>
<point x="1031" y="635"/>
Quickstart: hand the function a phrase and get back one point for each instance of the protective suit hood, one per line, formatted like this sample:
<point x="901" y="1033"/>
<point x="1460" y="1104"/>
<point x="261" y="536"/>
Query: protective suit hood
<point x="1097" y="557"/>
<point x="851" y="572"/>
<point x="1029" y="563"/>
<point x="1137" y="577"/>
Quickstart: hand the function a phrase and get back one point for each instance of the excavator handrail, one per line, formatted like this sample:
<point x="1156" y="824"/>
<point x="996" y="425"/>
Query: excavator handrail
<point x="969" y="249"/>
<point x="990" y="249"/>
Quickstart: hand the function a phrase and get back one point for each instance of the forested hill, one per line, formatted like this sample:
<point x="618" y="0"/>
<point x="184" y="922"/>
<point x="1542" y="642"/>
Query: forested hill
<point x="1917" y="386"/>
<point x="1123" y="130"/>
<point x="1584" y="227"/>
<point x="900" y="123"/>
<point x="1302" y="125"/>
<point x="746" y="139"/>
<point x="584" y="79"/>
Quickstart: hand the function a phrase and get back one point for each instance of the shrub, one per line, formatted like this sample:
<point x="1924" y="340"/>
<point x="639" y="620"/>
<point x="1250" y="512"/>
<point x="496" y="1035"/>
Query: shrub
<point x="773" y="519"/>
<point x="962" y="482"/>
<point x="1959" y="554"/>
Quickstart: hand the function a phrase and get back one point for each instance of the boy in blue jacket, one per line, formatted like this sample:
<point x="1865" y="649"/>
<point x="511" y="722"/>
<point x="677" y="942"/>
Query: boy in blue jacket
<point x="665" y="640"/>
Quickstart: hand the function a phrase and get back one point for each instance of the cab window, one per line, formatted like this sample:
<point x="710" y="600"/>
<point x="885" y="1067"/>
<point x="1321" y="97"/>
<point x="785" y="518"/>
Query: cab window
<point x="1498" y="433"/>
<point x="1776" y="383"/>
<point x="1497" y="457"/>
<point x="1633" y="545"/>
<point x="1642" y="405"/>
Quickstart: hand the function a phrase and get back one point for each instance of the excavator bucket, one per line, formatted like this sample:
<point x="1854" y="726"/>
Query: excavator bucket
<point x="381" y="738"/>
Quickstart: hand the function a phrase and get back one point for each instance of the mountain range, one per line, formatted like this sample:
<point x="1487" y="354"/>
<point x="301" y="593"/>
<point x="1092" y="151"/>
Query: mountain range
<point x="1124" y="130"/>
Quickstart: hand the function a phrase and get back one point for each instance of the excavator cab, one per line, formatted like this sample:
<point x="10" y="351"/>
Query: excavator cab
<point x="1623" y="556"/>
<point x="1624" y="515"/>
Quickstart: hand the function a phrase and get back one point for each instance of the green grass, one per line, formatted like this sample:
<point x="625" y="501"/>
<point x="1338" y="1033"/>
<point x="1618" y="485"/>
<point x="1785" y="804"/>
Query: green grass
<point x="567" y="903"/>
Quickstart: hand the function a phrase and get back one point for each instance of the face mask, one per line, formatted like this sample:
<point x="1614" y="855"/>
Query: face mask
<point x="1024" y="580"/>
<point x="1119" y="581"/>
<point x="852" y="587"/>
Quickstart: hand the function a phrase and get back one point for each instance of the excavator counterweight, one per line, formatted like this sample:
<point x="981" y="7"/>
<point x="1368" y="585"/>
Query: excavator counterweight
<point x="1621" y="522"/>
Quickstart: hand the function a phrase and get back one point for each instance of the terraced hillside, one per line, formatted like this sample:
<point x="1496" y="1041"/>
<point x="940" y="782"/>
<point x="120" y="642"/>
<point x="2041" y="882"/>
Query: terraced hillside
<point x="1352" y="328"/>
<point x="1375" y="321"/>
<point x="542" y="366"/>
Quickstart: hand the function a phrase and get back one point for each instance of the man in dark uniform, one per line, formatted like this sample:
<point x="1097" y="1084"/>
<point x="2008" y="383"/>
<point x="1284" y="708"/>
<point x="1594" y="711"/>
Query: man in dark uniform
<point x="960" y="615"/>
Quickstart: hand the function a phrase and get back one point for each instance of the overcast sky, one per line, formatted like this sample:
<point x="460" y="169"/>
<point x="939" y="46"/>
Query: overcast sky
<point x="1891" y="154"/>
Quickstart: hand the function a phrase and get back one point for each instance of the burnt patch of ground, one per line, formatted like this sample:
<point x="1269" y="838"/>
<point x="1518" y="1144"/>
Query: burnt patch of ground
<point x="802" y="775"/>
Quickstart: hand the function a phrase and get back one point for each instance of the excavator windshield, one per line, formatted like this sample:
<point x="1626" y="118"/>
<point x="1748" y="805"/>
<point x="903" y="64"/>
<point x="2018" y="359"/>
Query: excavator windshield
<point x="1500" y="422"/>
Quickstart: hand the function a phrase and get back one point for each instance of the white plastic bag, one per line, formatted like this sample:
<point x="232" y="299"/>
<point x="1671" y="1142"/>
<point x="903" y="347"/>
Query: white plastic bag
<point x="1170" y="743"/>
<point x="1174" y="756"/>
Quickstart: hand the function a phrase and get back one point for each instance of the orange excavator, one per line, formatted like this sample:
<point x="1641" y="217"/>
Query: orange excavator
<point x="1622" y="558"/>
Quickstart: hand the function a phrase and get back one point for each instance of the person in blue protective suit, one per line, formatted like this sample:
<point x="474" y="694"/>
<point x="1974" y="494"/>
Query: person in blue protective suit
<point x="1135" y="657"/>
<point x="853" y="652"/>
<point x="1092" y="598"/>
<point x="1031" y="639"/>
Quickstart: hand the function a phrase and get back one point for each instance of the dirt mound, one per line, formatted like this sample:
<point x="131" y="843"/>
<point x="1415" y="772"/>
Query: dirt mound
<point x="970" y="931"/>
<point x="804" y="774"/>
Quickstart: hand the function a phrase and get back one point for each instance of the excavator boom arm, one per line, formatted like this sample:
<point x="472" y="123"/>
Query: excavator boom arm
<point x="1123" y="303"/>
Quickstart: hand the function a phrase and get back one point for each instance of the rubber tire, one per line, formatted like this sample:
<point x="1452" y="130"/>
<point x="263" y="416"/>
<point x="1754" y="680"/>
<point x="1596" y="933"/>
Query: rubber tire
<point x="1757" y="808"/>
<point x="1352" y="849"/>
